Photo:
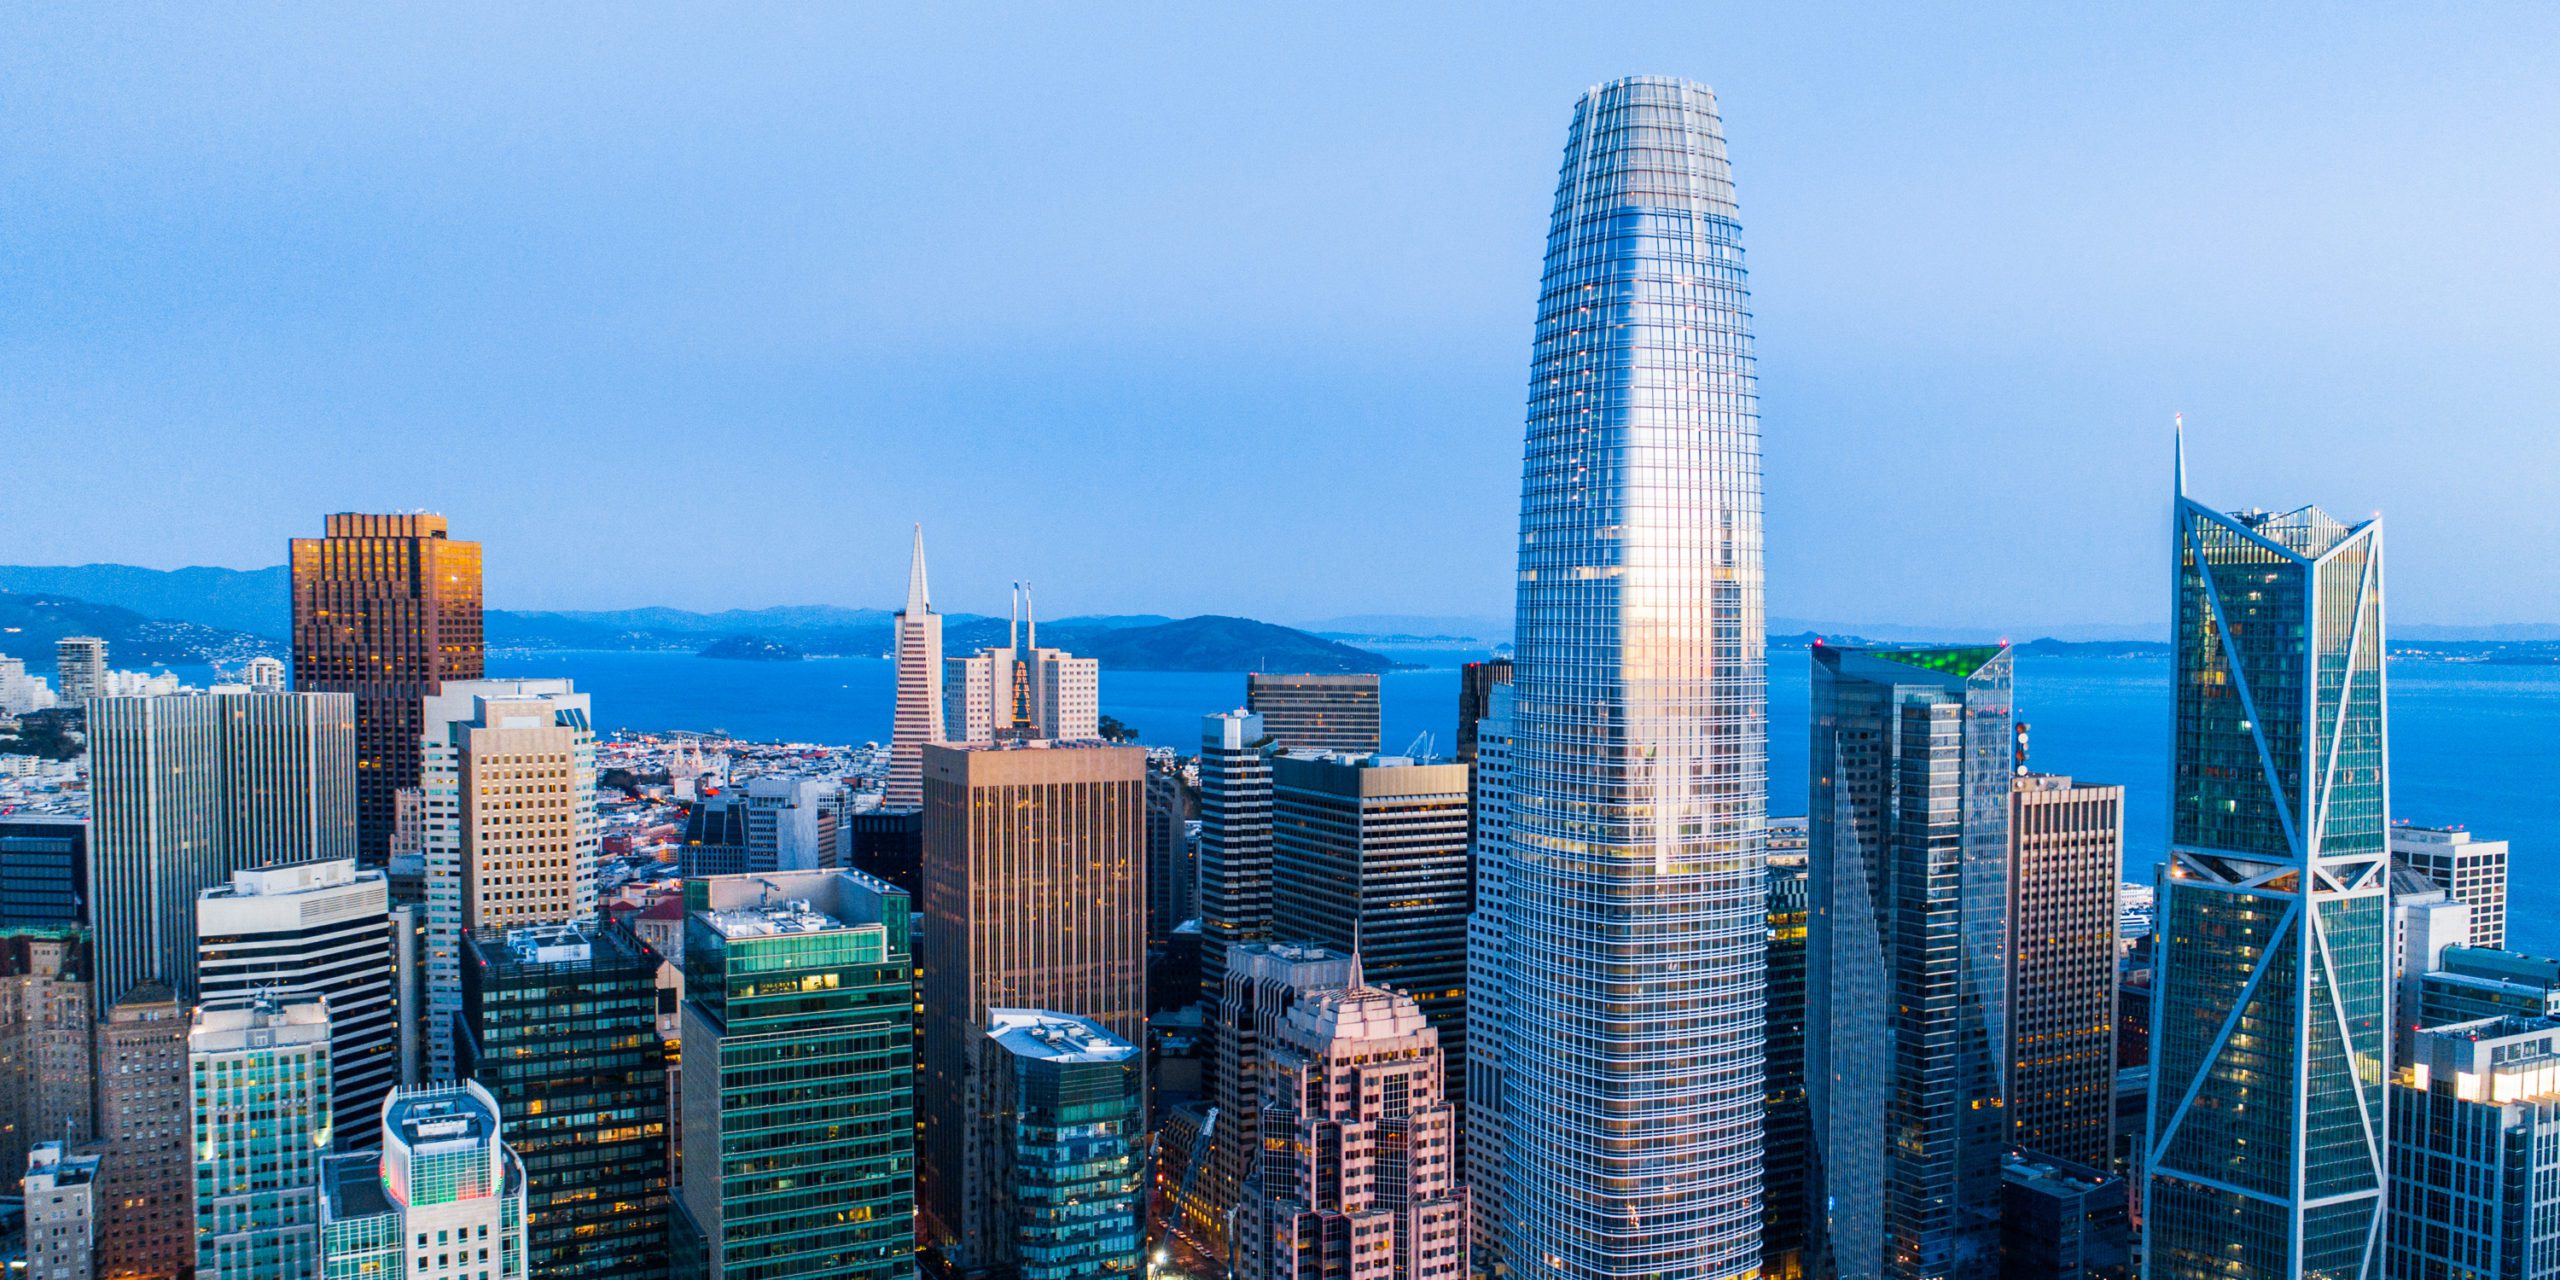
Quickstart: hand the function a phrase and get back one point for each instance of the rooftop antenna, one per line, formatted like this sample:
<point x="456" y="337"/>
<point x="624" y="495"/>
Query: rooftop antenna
<point x="2179" y="449"/>
<point x="1013" y="622"/>
<point x="1030" y="619"/>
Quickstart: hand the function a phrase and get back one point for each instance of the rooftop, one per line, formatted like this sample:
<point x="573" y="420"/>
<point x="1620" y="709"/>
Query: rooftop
<point x="794" y="915"/>
<point x="1044" y="1036"/>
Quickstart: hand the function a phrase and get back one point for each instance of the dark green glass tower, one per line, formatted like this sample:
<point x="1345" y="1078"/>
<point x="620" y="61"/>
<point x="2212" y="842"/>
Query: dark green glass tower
<point x="799" y="1078"/>
<point x="2268" y="1041"/>
<point x="560" y="1025"/>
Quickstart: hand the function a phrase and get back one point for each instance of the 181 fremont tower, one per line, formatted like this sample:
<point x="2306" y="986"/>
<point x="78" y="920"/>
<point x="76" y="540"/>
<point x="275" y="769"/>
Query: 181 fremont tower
<point x="1627" y="1077"/>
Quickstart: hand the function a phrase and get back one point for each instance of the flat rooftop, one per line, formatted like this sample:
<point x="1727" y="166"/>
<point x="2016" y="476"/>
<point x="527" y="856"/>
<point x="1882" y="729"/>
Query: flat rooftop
<point x="795" y="916"/>
<point x="1044" y="1036"/>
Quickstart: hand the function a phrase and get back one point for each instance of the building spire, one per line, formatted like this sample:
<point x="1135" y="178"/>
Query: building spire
<point x="919" y="601"/>
<point x="2179" y="449"/>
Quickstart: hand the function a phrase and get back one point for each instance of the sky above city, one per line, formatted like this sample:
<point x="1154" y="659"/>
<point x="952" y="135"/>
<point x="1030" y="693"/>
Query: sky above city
<point x="1227" y="309"/>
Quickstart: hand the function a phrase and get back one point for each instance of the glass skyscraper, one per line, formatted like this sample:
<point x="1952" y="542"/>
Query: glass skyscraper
<point x="1631" y="1081"/>
<point x="2268" y="1036"/>
<point x="1906" y="1033"/>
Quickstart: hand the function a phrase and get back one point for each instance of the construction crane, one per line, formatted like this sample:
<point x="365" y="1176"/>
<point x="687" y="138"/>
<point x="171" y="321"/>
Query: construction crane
<point x="1420" y="752"/>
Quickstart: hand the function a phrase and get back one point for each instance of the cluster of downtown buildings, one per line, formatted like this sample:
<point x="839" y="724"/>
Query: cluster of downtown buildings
<point x="325" y="985"/>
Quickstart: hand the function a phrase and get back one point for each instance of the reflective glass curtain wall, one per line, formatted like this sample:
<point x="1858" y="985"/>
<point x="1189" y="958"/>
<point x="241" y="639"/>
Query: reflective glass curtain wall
<point x="2268" y="1044"/>
<point x="1633" y="1082"/>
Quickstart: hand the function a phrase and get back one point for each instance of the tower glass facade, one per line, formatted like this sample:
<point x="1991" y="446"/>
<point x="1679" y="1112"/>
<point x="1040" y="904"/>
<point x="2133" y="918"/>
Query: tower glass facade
<point x="1906" y="1034"/>
<point x="1633" y="1080"/>
<point x="2268" y="1031"/>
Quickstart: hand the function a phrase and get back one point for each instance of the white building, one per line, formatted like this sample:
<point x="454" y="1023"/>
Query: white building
<point x="321" y="930"/>
<point x="21" y="692"/>
<point x="62" y="1214"/>
<point x="507" y="769"/>
<point x="2473" y="871"/>
<point x="80" y="668"/>
<point x="444" y="1199"/>
<point x="1021" y="690"/>
<point x="264" y="674"/>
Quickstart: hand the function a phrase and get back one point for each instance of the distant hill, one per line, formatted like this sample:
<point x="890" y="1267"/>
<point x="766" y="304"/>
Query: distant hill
<point x="258" y="601"/>
<point x="30" y="624"/>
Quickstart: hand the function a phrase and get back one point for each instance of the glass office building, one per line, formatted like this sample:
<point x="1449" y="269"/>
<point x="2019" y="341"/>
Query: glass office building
<point x="1632" y="1080"/>
<point x="1906" y="1038"/>
<point x="2272" y="977"/>
<point x="1067" y="1146"/>
<point x="799" y="1079"/>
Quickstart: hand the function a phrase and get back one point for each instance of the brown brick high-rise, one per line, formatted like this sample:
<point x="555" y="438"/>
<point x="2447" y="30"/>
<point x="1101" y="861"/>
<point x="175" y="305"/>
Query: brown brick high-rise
<point x="385" y="607"/>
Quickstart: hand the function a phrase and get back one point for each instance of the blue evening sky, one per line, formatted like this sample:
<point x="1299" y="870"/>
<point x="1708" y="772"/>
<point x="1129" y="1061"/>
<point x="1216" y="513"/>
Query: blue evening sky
<point x="1227" y="308"/>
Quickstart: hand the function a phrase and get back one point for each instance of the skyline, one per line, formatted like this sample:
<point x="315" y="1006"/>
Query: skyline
<point x="737" y="276"/>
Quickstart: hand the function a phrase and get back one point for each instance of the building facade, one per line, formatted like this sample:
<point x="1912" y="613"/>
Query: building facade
<point x="2473" y="870"/>
<point x="79" y="669"/>
<point x="258" y="1106"/>
<point x="798" y="1108"/>
<point x="2062" y="1221"/>
<point x="189" y="788"/>
<point x="1369" y="855"/>
<point x="146" y="1187"/>
<point x="1906" y="1042"/>
<point x="386" y="608"/>
<point x="1316" y="713"/>
<point x="508" y="768"/>
<point x="1263" y="982"/>
<point x="1234" y="855"/>
<point x="1066" y="1147"/>
<point x="2475" y="1152"/>
<point x="46" y="1068"/>
<point x="61" y="1192"/>
<point x="442" y="1199"/>
<point x="1035" y="897"/>
<point x="1489" y="974"/>
<point x="1173" y="818"/>
<point x="1476" y="683"/>
<point x="315" y="930"/>
<point x="918" y="719"/>
<point x="2066" y="858"/>
<point x="1021" y="690"/>
<point x="44" y="873"/>
<point x="1786" y="1144"/>
<point x="1633" y="1087"/>
<point x="2272" y="971"/>
<point x="562" y="1032"/>
<point x="1356" y="1169"/>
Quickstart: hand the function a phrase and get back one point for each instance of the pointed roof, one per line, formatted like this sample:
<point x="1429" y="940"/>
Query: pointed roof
<point x="919" y="601"/>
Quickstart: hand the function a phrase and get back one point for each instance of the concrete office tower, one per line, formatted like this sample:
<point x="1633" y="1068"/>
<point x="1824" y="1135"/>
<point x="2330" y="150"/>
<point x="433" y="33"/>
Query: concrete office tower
<point x="1234" y="856"/>
<point x="44" y="873"/>
<point x="509" y="771"/>
<point x="186" y="790"/>
<point x="146" y="1181"/>
<point x="2273" y="970"/>
<point x="1173" y="813"/>
<point x="1066" y="1147"/>
<point x="62" y="1214"/>
<point x="799" y="1078"/>
<point x="79" y="669"/>
<point x="315" y="930"/>
<point x="2474" y="871"/>
<point x="791" y="822"/>
<point x="1035" y="897"/>
<point x="563" y="1033"/>
<point x="46" y="1067"/>
<point x="443" y="1199"/>
<point x="2426" y="924"/>
<point x="1489" y="970"/>
<point x="1316" y="713"/>
<point x="1369" y="855"/>
<point x="2475" y="1152"/>
<point x="2066" y="857"/>
<point x="264" y="674"/>
<point x="258" y="1090"/>
<point x="918" y="720"/>
<point x="1021" y="690"/>
<point x="1786" y="1144"/>
<point x="1263" y="982"/>
<point x="387" y="608"/>
<point x="1633" y="1082"/>
<point x="1476" y="683"/>
<point x="1906" y="1046"/>
<point x="1356" y="1178"/>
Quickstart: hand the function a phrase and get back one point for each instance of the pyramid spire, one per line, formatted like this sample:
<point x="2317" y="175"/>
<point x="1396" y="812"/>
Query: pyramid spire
<point x="919" y="601"/>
